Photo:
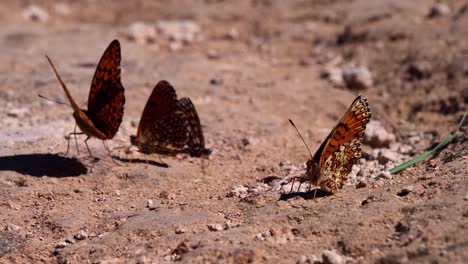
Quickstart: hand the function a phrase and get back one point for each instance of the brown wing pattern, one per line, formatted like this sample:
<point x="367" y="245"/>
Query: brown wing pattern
<point x="339" y="164"/>
<point x="196" y="142"/>
<point x="343" y="146"/>
<point x="168" y="135"/>
<point x="350" y="127"/>
<point x="106" y="97"/>
<point x="169" y="126"/>
<point x="161" y="103"/>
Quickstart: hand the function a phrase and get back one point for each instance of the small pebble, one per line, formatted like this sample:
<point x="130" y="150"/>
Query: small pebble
<point x="13" y="227"/>
<point x="179" y="31"/>
<point x="35" y="13"/>
<point x="308" y="260"/>
<point x="238" y="191"/>
<point x="215" y="227"/>
<point x="439" y="9"/>
<point x="402" y="228"/>
<point x="330" y="257"/>
<point x="180" y="230"/>
<point x="142" y="33"/>
<point x="259" y="237"/>
<point x="232" y="34"/>
<point x="81" y="235"/>
<point x="216" y="80"/>
<point x="18" y="112"/>
<point x="419" y="70"/>
<point x="212" y="54"/>
<point x="64" y="243"/>
<point x="334" y="75"/>
<point x="172" y="257"/>
<point x="387" y="155"/>
<point x="405" y="190"/>
<point x="167" y="195"/>
<point x="377" y="136"/>
<point x="357" y="77"/>
<point x="149" y="204"/>
<point x="175" y="45"/>
<point x="385" y="175"/>
<point x="361" y="184"/>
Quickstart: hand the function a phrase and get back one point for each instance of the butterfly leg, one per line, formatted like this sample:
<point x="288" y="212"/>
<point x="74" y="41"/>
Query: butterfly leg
<point x="292" y="185"/>
<point x="300" y="183"/>
<point x="299" y="188"/>
<point x="109" y="152"/>
<point x="203" y="166"/>
<point x="315" y="192"/>
<point x="76" y="142"/>
<point x="131" y="156"/>
<point x="160" y="160"/>
<point x="205" y="157"/>
<point x="68" y="144"/>
<point x="147" y="162"/>
<point x="86" y="143"/>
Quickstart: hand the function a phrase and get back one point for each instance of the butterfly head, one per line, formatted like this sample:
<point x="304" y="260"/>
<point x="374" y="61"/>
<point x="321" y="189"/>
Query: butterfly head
<point x="312" y="172"/>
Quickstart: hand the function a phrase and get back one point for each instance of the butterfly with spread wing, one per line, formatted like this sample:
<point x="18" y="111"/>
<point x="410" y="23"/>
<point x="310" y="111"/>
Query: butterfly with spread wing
<point x="333" y="160"/>
<point x="106" y="99"/>
<point x="169" y="126"/>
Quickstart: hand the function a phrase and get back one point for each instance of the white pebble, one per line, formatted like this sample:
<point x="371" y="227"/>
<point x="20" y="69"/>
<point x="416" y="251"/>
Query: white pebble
<point x="215" y="227"/>
<point x="357" y="77"/>
<point x="35" y="13"/>
<point x="141" y="33"/>
<point x="13" y="227"/>
<point x="330" y="257"/>
<point x="439" y="9"/>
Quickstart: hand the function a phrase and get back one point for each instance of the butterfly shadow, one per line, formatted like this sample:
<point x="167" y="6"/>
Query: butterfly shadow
<point x="305" y="195"/>
<point x="150" y="162"/>
<point x="38" y="165"/>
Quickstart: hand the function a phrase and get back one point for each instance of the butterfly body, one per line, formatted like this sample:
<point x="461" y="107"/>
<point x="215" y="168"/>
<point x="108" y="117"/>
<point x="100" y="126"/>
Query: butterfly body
<point x="334" y="158"/>
<point x="86" y="125"/>
<point x="169" y="126"/>
<point x="106" y="98"/>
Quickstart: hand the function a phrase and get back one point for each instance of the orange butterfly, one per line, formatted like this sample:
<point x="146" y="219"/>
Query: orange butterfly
<point x="169" y="126"/>
<point x="106" y="99"/>
<point x="333" y="160"/>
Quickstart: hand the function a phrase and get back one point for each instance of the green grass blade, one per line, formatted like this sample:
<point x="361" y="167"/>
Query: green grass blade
<point x="423" y="156"/>
<point x="461" y="122"/>
<point x="426" y="154"/>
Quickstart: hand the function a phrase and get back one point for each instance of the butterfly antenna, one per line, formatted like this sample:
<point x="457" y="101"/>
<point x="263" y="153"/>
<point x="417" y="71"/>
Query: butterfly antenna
<point x="67" y="93"/>
<point x="292" y="123"/>
<point x="48" y="99"/>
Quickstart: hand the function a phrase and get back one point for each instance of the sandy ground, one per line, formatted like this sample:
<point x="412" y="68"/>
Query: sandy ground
<point x="248" y="66"/>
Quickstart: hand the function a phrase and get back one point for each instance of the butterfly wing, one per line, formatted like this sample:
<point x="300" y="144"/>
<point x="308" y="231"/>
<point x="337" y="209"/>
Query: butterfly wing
<point x="196" y="142"/>
<point x="339" y="164"/>
<point x="162" y="102"/>
<point x="163" y="125"/>
<point x="342" y="148"/>
<point x="168" y="135"/>
<point x="350" y="127"/>
<point x="106" y="97"/>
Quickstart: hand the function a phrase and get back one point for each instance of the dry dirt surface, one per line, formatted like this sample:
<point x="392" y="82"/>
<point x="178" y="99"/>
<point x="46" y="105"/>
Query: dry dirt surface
<point x="248" y="66"/>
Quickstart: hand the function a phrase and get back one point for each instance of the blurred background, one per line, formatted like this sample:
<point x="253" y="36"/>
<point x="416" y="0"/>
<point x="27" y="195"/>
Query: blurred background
<point x="248" y="66"/>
